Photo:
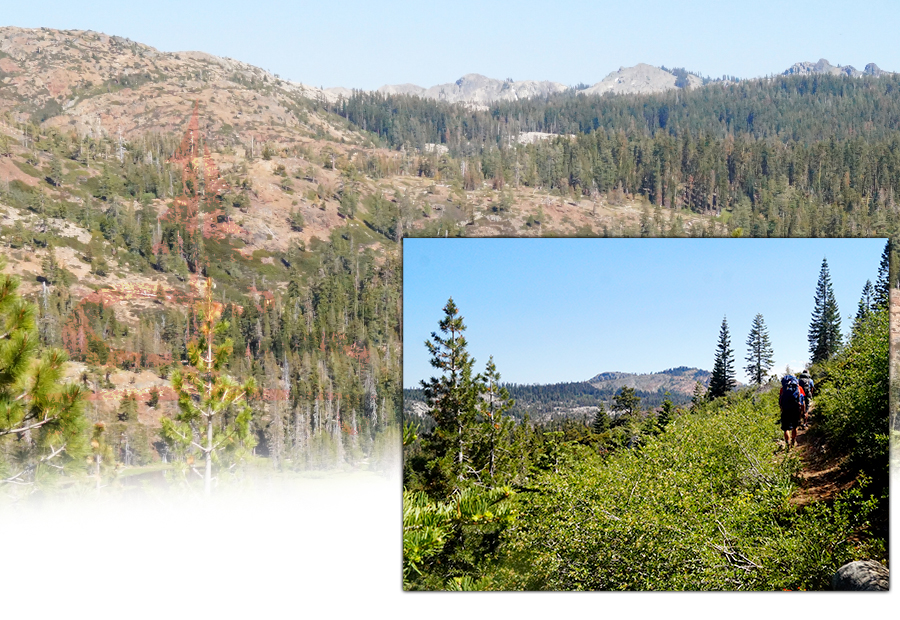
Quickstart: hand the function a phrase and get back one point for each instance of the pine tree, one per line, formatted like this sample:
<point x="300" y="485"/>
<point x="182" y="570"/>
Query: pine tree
<point x="626" y="401"/>
<point x="205" y="394"/>
<point x="825" y="328"/>
<point x="600" y="423"/>
<point x="41" y="419"/>
<point x="698" y="396"/>
<point x="49" y="265"/>
<point x="867" y="304"/>
<point x="495" y="401"/>
<point x="666" y="413"/>
<point x="882" y="291"/>
<point x="451" y="398"/>
<point x="759" y="351"/>
<point x="722" y="380"/>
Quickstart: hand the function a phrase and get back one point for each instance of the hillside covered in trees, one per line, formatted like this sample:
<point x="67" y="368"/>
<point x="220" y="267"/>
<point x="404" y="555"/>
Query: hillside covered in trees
<point x="144" y="267"/>
<point x="804" y="155"/>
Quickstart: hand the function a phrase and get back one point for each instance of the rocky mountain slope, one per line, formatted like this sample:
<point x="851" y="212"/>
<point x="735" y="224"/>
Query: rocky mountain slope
<point x="642" y="78"/>
<point x="639" y="79"/>
<point x="481" y="90"/>
<point x="93" y="82"/>
<point x="826" y="68"/>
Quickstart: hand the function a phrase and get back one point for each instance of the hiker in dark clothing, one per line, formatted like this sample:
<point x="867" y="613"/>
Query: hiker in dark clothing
<point x="791" y="401"/>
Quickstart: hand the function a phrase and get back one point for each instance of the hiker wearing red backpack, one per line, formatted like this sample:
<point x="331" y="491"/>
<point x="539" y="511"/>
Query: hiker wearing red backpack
<point x="792" y="402"/>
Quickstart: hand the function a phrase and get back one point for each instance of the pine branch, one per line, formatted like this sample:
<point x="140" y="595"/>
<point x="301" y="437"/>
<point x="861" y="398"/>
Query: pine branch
<point x="53" y="454"/>
<point x="27" y="428"/>
<point x="16" y="479"/>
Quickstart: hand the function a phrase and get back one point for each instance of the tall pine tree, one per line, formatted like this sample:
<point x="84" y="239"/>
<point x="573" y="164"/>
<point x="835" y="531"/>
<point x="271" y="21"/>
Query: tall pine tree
<point x="206" y="395"/>
<point x="496" y="427"/>
<point x="882" y="292"/>
<point x="867" y="303"/>
<point x="722" y="380"/>
<point x="759" y="351"/>
<point x="452" y="400"/>
<point x="825" y="328"/>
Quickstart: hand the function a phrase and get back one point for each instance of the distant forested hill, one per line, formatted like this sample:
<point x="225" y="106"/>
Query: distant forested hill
<point x="579" y="399"/>
<point x="806" y="155"/>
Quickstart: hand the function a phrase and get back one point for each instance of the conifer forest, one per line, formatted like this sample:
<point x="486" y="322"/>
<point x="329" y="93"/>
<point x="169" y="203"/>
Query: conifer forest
<point x="201" y="288"/>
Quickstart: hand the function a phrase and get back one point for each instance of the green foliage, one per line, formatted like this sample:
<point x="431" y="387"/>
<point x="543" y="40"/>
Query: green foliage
<point x="206" y="395"/>
<point x="825" y="328"/>
<point x="866" y="305"/>
<point x="791" y="156"/>
<point x="41" y="423"/>
<point x="128" y="407"/>
<point x="722" y="380"/>
<point x="666" y="414"/>
<point x="153" y="400"/>
<point x="759" y="351"/>
<point x="455" y="504"/>
<point x="702" y="506"/>
<point x="852" y="398"/>
<point x="296" y="220"/>
<point x="491" y="447"/>
<point x="600" y="424"/>
<point x="349" y="203"/>
<point x="384" y="215"/>
<point x="452" y="400"/>
<point x="461" y="535"/>
<point x="886" y="276"/>
<point x="626" y="402"/>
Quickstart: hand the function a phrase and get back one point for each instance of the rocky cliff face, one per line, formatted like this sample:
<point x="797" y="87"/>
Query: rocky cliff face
<point x="823" y="67"/>
<point x="479" y="89"/>
<point x="639" y="79"/>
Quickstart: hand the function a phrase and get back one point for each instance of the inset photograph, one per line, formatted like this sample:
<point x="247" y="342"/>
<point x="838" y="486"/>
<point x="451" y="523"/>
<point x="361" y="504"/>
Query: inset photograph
<point x="645" y="414"/>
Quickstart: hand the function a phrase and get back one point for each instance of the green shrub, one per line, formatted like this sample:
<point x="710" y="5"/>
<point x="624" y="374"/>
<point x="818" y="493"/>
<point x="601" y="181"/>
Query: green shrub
<point x="701" y="506"/>
<point x="853" y="401"/>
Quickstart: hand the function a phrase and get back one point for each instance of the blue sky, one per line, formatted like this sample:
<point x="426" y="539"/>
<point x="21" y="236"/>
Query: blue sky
<point x="365" y="44"/>
<point x="555" y="310"/>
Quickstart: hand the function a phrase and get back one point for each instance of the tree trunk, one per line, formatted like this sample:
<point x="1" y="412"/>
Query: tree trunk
<point x="207" y="478"/>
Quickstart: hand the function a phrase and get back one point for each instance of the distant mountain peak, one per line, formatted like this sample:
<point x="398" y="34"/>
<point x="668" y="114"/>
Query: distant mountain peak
<point x="823" y="67"/>
<point x="680" y="380"/>
<point x="641" y="79"/>
<point x="478" y="89"/>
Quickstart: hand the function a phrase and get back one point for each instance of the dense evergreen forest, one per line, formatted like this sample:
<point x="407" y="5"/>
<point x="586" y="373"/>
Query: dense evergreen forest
<point x="788" y="156"/>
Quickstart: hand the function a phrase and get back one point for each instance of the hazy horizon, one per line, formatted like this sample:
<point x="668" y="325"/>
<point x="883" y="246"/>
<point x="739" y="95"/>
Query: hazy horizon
<point x="367" y="45"/>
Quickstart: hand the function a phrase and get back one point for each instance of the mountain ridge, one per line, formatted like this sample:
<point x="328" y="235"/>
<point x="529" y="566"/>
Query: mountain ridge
<point x="680" y="380"/>
<point x="642" y="78"/>
<point x="822" y="66"/>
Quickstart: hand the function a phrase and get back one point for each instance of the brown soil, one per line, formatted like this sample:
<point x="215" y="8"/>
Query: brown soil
<point x="822" y="476"/>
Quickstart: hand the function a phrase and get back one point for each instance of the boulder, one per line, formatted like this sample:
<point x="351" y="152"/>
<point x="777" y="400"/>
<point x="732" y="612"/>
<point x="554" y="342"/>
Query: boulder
<point x="861" y="575"/>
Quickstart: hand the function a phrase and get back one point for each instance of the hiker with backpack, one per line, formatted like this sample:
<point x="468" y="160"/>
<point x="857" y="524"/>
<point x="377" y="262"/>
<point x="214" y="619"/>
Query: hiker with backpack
<point x="791" y="401"/>
<point x="806" y="383"/>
